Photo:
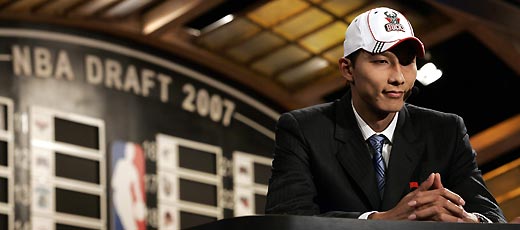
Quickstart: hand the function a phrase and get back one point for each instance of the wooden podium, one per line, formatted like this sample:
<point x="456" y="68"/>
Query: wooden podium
<point x="286" y="222"/>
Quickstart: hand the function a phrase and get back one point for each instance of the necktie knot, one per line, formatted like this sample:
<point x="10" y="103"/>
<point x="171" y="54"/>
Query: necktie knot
<point x="377" y="141"/>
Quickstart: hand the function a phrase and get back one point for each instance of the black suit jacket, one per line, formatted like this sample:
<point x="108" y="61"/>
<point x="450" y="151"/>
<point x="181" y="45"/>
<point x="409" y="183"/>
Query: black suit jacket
<point x="322" y="165"/>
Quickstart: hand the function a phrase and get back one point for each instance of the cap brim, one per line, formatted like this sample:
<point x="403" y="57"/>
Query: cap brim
<point x="417" y="44"/>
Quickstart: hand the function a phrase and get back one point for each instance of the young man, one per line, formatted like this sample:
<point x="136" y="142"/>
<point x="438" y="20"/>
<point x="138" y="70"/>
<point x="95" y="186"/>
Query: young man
<point x="370" y="155"/>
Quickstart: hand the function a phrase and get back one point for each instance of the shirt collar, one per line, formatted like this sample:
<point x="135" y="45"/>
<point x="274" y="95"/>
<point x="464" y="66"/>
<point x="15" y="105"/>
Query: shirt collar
<point x="367" y="132"/>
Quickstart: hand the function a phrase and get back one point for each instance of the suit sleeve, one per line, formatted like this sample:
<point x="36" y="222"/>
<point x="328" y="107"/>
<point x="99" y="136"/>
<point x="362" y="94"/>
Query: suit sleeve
<point x="466" y="180"/>
<point x="291" y="187"/>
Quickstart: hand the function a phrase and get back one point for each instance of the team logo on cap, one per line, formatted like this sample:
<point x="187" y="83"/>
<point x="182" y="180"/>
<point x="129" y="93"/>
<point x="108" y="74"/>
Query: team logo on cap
<point x="393" y="22"/>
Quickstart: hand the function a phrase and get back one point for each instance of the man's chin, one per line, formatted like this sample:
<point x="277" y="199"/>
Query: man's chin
<point x="393" y="106"/>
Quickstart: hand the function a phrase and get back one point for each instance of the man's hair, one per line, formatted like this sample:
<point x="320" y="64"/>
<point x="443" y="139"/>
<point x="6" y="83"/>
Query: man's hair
<point x="353" y="56"/>
<point x="408" y="51"/>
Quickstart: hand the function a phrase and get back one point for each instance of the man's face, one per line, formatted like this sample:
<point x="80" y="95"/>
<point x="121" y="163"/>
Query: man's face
<point x="381" y="82"/>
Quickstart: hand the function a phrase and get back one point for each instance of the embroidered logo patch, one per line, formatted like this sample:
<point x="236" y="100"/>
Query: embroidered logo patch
<point x="393" y="22"/>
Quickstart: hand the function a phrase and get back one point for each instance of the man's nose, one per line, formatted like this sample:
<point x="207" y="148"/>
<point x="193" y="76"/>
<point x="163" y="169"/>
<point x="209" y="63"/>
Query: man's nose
<point x="397" y="76"/>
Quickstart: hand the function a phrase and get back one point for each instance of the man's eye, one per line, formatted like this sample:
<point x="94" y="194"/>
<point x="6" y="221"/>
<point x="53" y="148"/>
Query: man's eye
<point x="381" y="61"/>
<point x="406" y="62"/>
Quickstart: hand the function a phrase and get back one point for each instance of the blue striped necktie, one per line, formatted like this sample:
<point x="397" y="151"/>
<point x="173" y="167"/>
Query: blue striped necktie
<point x="377" y="141"/>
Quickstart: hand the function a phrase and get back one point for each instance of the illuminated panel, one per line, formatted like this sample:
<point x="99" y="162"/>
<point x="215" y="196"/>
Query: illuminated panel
<point x="251" y="175"/>
<point x="3" y="154"/>
<point x="6" y="164"/>
<point x="68" y="170"/>
<point x="5" y="107"/>
<point x="260" y="203"/>
<point x="76" y="168"/>
<point x="192" y="219"/>
<point x="3" y="221"/>
<point x="189" y="182"/>
<point x="196" y="192"/>
<point x="197" y="160"/>
<point x="76" y="133"/>
<point x="77" y="203"/>
<point x="70" y="227"/>
<point x="262" y="173"/>
<point x="3" y="190"/>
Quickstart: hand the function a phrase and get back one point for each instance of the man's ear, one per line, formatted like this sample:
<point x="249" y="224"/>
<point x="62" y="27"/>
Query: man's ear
<point x="346" y="68"/>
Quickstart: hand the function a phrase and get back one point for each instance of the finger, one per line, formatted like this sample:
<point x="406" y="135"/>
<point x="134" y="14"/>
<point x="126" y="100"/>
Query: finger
<point x="437" y="183"/>
<point x="439" y="201"/>
<point x="442" y="197"/>
<point x="456" y="210"/>
<point x="436" y="194"/>
<point x="435" y="213"/>
<point x="453" y="197"/>
<point x="425" y="185"/>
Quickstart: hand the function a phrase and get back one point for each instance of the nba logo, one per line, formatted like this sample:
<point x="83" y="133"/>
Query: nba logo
<point x="128" y="205"/>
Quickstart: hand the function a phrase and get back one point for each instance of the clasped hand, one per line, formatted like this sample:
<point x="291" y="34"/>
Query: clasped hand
<point x="429" y="202"/>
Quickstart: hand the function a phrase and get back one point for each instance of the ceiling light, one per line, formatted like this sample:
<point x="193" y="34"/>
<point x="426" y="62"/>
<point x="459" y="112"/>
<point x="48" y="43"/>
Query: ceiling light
<point x="428" y="74"/>
<point x="226" y="19"/>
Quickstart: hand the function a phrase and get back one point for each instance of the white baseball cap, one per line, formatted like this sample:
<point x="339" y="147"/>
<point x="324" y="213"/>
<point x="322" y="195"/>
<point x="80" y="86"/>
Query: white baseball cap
<point x="378" y="30"/>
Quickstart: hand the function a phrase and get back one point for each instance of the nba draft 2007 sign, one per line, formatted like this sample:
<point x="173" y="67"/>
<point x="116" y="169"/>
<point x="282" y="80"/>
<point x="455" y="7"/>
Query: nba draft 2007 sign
<point x="117" y="134"/>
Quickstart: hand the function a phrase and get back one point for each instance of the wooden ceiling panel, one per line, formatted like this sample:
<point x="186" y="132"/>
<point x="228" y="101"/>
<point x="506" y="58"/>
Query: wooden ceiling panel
<point x="58" y="7"/>
<point x="260" y="44"/>
<point x="273" y="12"/>
<point x="373" y="4"/>
<point x="280" y="59"/>
<point x="324" y="38"/>
<point x="91" y="7"/>
<point x="334" y="54"/>
<point x="304" y="72"/>
<point x="23" y="5"/>
<point x="231" y="33"/>
<point x="165" y="13"/>
<point x="310" y="20"/>
<point x="341" y="7"/>
<point x="125" y="8"/>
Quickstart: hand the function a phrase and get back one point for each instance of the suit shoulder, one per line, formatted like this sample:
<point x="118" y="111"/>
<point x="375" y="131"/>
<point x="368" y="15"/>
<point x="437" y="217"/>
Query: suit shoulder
<point x="307" y="116"/>
<point x="431" y="115"/>
<point x="312" y="112"/>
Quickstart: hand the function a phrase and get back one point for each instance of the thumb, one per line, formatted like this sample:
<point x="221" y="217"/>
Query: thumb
<point x="425" y="185"/>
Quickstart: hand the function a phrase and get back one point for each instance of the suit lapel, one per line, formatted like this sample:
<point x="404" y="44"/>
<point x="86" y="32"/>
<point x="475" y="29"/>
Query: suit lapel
<point x="404" y="157"/>
<point x="353" y="154"/>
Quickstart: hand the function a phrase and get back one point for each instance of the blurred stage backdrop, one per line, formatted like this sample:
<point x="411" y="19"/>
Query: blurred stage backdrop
<point x="99" y="132"/>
